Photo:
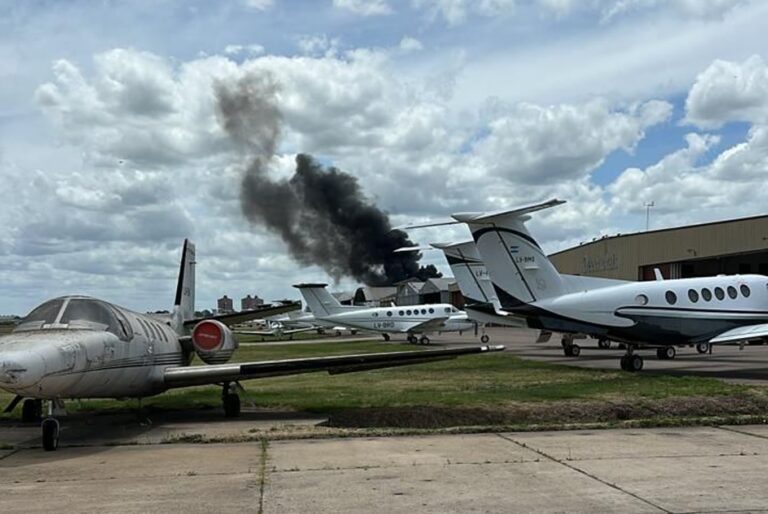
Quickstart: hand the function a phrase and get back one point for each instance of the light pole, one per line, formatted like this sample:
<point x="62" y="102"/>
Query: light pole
<point x="648" y="206"/>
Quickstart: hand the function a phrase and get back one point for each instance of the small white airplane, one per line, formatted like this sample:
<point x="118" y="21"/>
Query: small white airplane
<point x="482" y="305"/>
<point x="407" y="319"/>
<point x="294" y="322"/>
<point x="81" y="347"/>
<point x="660" y="314"/>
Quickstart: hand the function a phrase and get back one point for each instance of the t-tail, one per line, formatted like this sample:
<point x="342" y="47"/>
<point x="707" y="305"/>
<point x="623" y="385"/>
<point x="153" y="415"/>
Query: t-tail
<point x="470" y="272"/>
<point x="320" y="301"/>
<point x="184" y="304"/>
<point x="520" y="270"/>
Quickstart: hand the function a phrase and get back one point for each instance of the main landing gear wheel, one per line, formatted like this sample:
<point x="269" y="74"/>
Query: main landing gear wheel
<point x="484" y="339"/>
<point x="572" y="350"/>
<point x="31" y="411"/>
<point x="666" y="353"/>
<point x="702" y="347"/>
<point x="50" y="429"/>
<point x="412" y="339"/>
<point x="424" y="340"/>
<point x="231" y="402"/>
<point x="385" y="336"/>
<point x="632" y="363"/>
<point x="603" y="343"/>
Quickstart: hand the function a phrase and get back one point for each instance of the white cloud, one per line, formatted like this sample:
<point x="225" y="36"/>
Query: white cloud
<point x="532" y="144"/>
<point x="729" y="91"/>
<point x="259" y="5"/>
<point x="409" y="44"/>
<point x="455" y="12"/>
<point x="364" y="7"/>
<point x="239" y="49"/>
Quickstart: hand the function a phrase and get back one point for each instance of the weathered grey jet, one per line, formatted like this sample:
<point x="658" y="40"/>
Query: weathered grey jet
<point x="81" y="347"/>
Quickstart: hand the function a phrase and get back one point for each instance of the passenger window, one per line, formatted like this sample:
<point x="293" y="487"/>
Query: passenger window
<point x="408" y="312"/>
<point x="399" y="313"/>
<point x="431" y="310"/>
<point x="719" y="293"/>
<point x="706" y="294"/>
<point x="389" y="313"/>
<point x="745" y="291"/>
<point x="423" y="311"/>
<point x="448" y="310"/>
<point x="671" y="297"/>
<point x="641" y="299"/>
<point x="732" y="292"/>
<point x="693" y="295"/>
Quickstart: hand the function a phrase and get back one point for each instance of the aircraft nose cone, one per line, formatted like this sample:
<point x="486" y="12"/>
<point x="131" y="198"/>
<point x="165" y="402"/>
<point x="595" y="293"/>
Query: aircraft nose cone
<point x="19" y="370"/>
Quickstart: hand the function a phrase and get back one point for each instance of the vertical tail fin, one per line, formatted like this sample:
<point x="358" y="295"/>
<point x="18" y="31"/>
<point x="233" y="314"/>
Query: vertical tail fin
<point x="519" y="269"/>
<point x="470" y="272"/>
<point x="184" y="304"/>
<point x="320" y="301"/>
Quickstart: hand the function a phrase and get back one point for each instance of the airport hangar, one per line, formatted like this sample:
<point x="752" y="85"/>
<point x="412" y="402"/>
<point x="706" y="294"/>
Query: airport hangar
<point x="730" y="247"/>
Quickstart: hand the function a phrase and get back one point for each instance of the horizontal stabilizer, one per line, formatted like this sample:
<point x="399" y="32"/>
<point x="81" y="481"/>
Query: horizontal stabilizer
<point x="243" y="316"/>
<point x="475" y="217"/>
<point x="405" y="249"/>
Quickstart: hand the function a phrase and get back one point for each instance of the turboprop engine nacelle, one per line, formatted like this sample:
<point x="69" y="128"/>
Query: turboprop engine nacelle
<point x="213" y="341"/>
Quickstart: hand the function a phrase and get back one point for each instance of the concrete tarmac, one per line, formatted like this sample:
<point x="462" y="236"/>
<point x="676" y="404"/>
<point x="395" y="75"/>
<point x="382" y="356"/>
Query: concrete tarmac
<point x="691" y="470"/>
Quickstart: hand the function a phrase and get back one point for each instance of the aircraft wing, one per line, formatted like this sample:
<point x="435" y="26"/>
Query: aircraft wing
<point x="241" y="317"/>
<point x="201" y="375"/>
<point x="740" y="334"/>
<point x="275" y="331"/>
<point x="432" y="324"/>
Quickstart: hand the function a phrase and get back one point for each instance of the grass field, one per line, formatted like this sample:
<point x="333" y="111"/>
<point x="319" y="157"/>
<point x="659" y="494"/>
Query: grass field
<point x="486" y="389"/>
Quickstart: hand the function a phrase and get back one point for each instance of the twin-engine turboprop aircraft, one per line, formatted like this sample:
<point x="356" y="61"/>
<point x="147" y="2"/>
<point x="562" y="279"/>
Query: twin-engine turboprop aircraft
<point x="407" y="319"/>
<point x="81" y="347"/>
<point x="660" y="314"/>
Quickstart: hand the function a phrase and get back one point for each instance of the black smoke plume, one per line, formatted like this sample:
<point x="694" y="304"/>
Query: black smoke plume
<point x="320" y="213"/>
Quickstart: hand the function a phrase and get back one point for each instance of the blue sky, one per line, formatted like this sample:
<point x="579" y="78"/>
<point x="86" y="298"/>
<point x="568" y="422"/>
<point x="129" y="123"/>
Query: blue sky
<point x="112" y="151"/>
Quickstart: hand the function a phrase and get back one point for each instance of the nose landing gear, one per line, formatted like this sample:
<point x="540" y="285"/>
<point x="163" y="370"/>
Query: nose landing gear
<point x="50" y="425"/>
<point x="230" y="400"/>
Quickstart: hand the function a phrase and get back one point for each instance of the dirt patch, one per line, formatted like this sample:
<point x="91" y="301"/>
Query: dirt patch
<point x="551" y="412"/>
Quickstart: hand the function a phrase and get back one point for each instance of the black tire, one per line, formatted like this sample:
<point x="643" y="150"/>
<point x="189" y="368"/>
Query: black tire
<point x="669" y="352"/>
<point x="484" y="339"/>
<point x="385" y="336"/>
<point x="567" y="351"/>
<point x="424" y="340"/>
<point x="575" y="350"/>
<point x="231" y="403"/>
<point x="623" y="363"/>
<point x="31" y="411"/>
<point x="50" y="429"/>
<point x="660" y="354"/>
<point x="635" y="363"/>
<point x="702" y="347"/>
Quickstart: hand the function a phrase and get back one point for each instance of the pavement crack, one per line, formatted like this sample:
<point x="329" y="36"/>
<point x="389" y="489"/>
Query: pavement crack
<point x="741" y="432"/>
<point x="582" y="472"/>
<point x="263" y="473"/>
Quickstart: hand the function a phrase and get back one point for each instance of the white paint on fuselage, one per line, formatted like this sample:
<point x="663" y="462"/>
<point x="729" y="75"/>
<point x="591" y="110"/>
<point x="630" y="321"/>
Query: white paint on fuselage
<point x="603" y="306"/>
<point x="82" y="363"/>
<point x="403" y="319"/>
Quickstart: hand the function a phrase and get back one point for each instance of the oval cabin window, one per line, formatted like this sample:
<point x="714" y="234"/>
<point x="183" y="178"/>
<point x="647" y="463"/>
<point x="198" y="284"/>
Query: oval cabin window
<point x="732" y="292"/>
<point x="719" y="293"/>
<point x="693" y="296"/>
<point x="745" y="290"/>
<point x="706" y="294"/>
<point x="671" y="297"/>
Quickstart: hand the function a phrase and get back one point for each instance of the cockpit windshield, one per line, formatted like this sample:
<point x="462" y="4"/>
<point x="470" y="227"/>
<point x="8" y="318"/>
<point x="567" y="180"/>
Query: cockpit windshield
<point x="76" y="313"/>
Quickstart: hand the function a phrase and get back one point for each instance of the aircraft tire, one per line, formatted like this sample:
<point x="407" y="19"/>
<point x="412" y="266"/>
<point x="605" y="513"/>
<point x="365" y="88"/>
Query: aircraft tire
<point x="702" y="347"/>
<point x="575" y="350"/>
<point x="623" y="363"/>
<point x="484" y="339"/>
<point x="50" y="429"/>
<point x="31" y="411"/>
<point x="385" y="336"/>
<point x="666" y="353"/>
<point x="231" y="403"/>
<point x="634" y="363"/>
<point x="424" y="340"/>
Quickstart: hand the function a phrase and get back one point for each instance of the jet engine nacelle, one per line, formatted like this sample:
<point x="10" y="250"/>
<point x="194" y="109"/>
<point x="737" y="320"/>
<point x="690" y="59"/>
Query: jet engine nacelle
<point x="213" y="341"/>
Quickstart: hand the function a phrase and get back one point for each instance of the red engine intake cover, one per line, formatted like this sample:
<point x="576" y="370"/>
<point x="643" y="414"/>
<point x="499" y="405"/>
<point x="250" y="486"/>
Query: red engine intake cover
<point x="207" y="336"/>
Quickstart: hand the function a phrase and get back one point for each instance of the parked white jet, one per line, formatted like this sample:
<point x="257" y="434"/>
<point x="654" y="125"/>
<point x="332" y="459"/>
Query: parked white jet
<point x="407" y="319"/>
<point x="482" y="305"/>
<point x="80" y="347"/>
<point x="659" y="314"/>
